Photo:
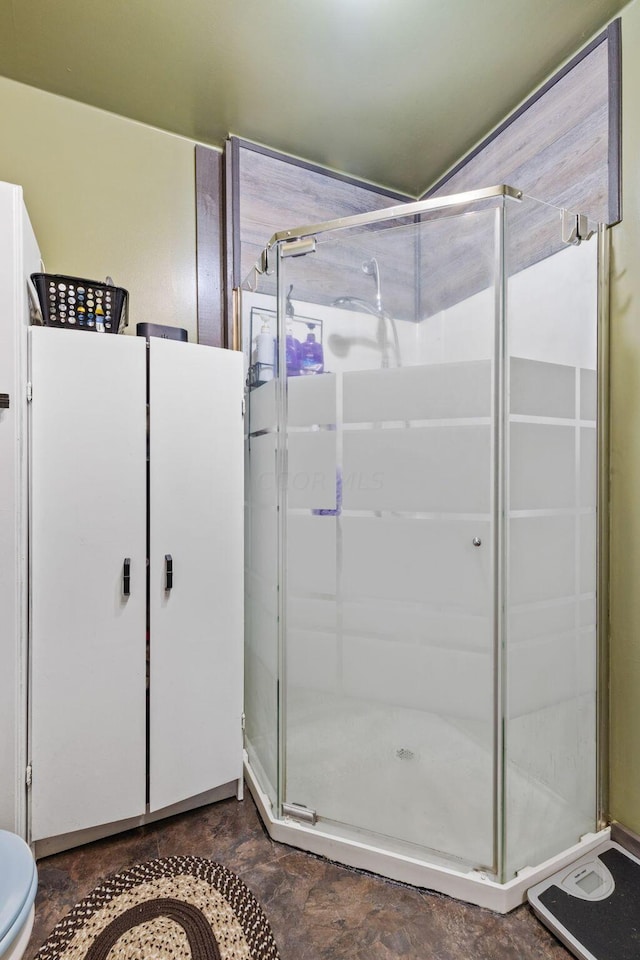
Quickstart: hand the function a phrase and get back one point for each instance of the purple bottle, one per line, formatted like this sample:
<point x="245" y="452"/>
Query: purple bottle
<point x="293" y="348"/>
<point x="311" y="356"/>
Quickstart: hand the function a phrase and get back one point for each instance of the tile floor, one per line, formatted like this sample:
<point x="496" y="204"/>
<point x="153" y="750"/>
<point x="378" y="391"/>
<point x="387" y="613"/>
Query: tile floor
<point x="317" y="910"/>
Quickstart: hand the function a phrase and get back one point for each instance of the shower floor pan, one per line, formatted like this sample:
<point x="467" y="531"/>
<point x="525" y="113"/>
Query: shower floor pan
<point x="402" y="775"/>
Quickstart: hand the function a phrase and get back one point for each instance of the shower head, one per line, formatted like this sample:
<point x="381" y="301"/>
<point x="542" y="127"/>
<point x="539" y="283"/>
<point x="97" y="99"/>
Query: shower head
<point x="370" y="267"/>
<point x="340" y="344"/>
<point x="357" y="303"/>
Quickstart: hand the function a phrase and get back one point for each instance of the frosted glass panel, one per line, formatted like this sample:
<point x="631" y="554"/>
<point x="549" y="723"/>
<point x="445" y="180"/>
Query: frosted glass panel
<point x="313" y="661"/>
<point x="542" y="389"/>
<point x="312" y="469"/>
<point x="529" y="621"/>
<point x="262" y="410"/>
<point x="262" y="477"/>
<point x="436" y="392"/>
<point x="588" y="467"/>
<point x="546" y="671"/>
<point x="311" y="613"/>
<point x="542" y="466"/>
<point x="389" y="531"/>
<point x="453" y="683"/>
<point x="588" y="611"/>
<point x="312" y="400"/>
<point x="311" y="555"/>
<point x="438" y="469"/>
<point x="426" y="560"/>
<point x="261" y="615"/>
<point x="587" y="565"/>
<point x="262" y="529"/>
<point x="425" y="623"/>
<point x="588" y="394"/>
<point x="432" y="529"/>
<point x="261" y="585"/>
<point x="541" y="559"/>
<point x="550" y="788"/>
<point x="550" y="560"/>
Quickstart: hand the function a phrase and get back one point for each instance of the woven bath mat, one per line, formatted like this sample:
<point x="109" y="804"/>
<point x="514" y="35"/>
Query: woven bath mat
<point x="175" y="908"/>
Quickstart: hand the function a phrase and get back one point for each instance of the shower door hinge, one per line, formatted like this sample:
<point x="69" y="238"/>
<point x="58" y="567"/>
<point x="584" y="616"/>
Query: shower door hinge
<point x="242" y="721"/>
<point x="28" y="779"/>
<point x="298" y="811"/>
<point x="243" y="409"/>
<point x="298" y="248"/>
<point x="262" y="265"/>
<point x="575" y="228"/>
<point x="29" y="392"/>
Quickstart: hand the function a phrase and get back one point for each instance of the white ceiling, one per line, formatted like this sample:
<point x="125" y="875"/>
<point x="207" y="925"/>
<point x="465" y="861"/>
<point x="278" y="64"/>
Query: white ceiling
<point x="393" y="91"/>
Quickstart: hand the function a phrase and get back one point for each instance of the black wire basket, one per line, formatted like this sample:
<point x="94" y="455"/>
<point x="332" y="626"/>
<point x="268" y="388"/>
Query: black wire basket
<point x="81" y="304"/>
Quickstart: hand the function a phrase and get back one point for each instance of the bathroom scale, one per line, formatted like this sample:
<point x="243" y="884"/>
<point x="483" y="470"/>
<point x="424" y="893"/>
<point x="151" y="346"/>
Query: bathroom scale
<point x="593" y="906"/>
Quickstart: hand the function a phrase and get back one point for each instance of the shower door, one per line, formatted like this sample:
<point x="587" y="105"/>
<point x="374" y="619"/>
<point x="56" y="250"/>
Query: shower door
<point x="388" y="508"/>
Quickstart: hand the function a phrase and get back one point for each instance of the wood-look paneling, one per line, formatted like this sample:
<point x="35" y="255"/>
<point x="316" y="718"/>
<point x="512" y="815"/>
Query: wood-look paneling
<point x="561" y="147"/>
<point x="556" y="147"/>
<point x="277" y="194"/>
<point x="209" y="247"/>
<point x="273" y="192"/>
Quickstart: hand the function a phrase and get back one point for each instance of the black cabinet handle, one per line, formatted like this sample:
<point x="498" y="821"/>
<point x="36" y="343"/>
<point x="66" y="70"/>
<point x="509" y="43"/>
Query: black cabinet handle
<point x="168" y="563"/>
<point x="126" y="577"/>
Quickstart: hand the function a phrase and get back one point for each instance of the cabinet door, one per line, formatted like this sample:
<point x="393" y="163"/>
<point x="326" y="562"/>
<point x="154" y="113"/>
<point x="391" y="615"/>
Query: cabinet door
<point x="196" y="518"/>
<point x="88" y="480"/>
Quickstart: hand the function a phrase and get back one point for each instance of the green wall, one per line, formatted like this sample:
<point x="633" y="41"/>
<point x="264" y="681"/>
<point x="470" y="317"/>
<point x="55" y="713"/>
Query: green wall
<point x="106" y="195"/>
<point x="625" y="451"/>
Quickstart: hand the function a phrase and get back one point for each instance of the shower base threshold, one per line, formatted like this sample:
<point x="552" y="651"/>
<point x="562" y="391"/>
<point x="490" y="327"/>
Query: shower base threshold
<point x="471" y="886"/>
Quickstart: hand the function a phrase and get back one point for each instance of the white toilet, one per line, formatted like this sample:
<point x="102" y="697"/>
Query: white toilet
<point x="18" y="885"/>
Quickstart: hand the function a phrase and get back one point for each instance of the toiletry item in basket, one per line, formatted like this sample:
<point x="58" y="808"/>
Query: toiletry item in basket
<point x="265" y="354"/>
<point x="293" y="353"/>
<point x="311" y="355"/>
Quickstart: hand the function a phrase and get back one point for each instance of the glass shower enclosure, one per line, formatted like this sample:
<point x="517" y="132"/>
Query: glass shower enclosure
<point x="421" y="540"/>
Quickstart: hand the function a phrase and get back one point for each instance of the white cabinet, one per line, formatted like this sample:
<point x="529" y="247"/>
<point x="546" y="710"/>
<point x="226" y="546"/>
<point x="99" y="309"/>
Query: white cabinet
<point x="196" y="511"/>
<point x="96" y="513"/>
<point x="19" y="256"/>
<point x="88" y="482"/>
